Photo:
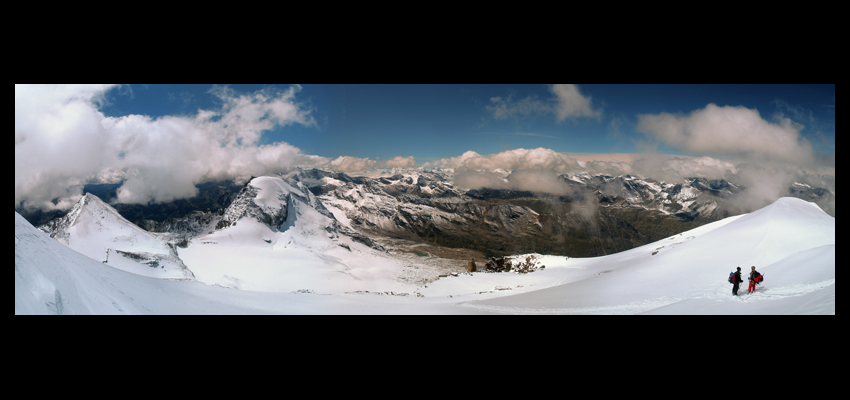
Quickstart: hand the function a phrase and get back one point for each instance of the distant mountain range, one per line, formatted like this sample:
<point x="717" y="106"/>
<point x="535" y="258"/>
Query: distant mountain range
<point x="601" y="215"/>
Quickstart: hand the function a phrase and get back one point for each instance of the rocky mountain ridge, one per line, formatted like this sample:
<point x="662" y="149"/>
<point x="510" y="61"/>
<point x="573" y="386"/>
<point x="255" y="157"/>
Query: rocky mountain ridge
<point x="597" y="215"/>
<point x="274" y="210"/>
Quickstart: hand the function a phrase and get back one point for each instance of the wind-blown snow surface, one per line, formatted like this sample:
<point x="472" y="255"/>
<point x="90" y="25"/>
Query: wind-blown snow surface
<point x="792" y="242"/>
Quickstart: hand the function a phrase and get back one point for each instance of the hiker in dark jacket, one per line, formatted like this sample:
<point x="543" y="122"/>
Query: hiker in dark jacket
<point x="736" y="282"/>
<point x="752" y="278"/>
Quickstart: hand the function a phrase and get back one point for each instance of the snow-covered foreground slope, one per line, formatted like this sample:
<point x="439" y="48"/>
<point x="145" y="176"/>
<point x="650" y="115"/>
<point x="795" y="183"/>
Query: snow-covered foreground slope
<point x="791" y="242"/>
<point x="51" y="278"/>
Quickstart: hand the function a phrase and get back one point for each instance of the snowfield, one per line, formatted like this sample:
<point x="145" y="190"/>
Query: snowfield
<point x="304" y="267"/>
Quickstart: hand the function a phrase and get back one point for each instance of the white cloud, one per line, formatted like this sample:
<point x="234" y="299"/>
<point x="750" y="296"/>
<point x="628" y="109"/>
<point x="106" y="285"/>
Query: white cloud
<point x="537" y="181"/>
<point x="517" y="159"/>
<point x="730" y="131"/>
<point x="62" y="141"/>
<point x="399" y="161"/>
<point x="350" y="164"/>
<point x="452" y="162"/>
<point x="538" y="170"/>
<point x="572" y="104"/>
<point x="567" y="102"/>
<point x="534" y="170"/>
<point x="58" y="141"/>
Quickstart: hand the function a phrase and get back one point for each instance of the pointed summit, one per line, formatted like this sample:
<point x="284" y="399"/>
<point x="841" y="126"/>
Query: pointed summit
<point x="58" y="227"/>
<point x="265" y="199"/>
<point x="98" y="231"/>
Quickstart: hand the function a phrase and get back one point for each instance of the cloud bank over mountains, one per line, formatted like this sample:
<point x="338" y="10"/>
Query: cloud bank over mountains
<point x="63" y="141"/>
<point x="731" y="143"/>
<point x="538" y="170"/>
<point x="730" y="131"/>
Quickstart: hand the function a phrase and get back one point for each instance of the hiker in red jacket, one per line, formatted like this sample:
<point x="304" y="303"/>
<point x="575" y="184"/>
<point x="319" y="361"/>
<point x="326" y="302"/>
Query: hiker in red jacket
<point x="753" y="280"/>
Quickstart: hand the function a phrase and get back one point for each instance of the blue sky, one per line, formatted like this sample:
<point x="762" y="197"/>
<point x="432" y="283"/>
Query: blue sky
<point x="439" y="121"/>
<point x="160" y="141"/>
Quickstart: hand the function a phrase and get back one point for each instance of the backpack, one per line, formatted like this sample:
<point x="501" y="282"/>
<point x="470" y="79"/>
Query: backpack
<point x="732" y="277"/>
<point x="759" y="278"/>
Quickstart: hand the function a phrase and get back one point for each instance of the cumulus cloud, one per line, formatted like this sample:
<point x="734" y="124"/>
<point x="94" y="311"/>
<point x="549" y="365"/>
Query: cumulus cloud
<point x="452" y="162"/>
<point x="534" y="170"/>
<point x="539" y="170"/>
<point x="730" y="131"/>
<point x="350" y="164"/>
<point x="614" y="168"/>
<point x="566" y="102"/>
<point x="537" y="181"/>
<point x="674" y="169"/>
<point x="63" y="141"/>
<point x="399" y="161"/>
<point x="571" y="103"/>
<point x="763" y="185"/>
<point x="764" y="157"/>
<point x="517" y="159"/>
<point x="59" y="140"/>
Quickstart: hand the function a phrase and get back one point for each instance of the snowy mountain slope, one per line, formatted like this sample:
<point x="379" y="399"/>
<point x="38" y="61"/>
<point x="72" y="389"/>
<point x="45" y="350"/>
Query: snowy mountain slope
<point x="802" y="283"/>
<point x="51" y="279"/>
<point x="96" y="230"/>
<point x="791" y="241"/>
<point x="279" y="238"/>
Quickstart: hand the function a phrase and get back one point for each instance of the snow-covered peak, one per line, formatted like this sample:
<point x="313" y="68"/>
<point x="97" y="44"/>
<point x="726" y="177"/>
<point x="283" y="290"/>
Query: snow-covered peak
<point x="260" y="199"/>
<point x="790" y="210"/>
<point x="268" y="200"/>
<point x="98" y="231"/>
<point x="275" y="230"/>
<point x="272" y="192"/>
<point x="89" y="209"/>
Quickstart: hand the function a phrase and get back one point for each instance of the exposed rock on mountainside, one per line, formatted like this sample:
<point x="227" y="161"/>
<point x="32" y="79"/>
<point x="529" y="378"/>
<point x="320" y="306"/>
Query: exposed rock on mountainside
<point x="601" y="215"/>
<point x="598" y="215"/>
<point x="270" y="201"/>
